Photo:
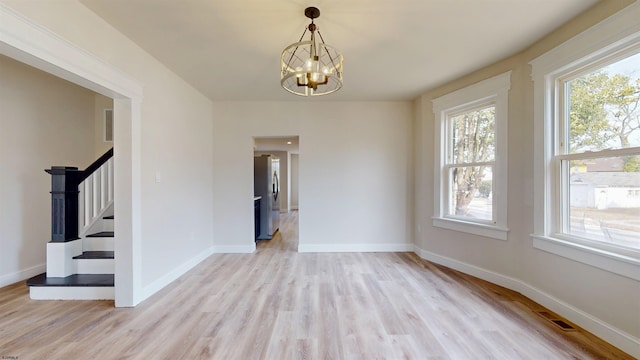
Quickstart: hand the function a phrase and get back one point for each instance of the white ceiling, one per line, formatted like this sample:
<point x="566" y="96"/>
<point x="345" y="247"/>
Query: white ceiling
<point x="393" y="49"/>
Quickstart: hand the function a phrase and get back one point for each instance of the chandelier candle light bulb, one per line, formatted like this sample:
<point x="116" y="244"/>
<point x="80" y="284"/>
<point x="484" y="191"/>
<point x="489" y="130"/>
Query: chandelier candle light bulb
<point x="311" y="68"/>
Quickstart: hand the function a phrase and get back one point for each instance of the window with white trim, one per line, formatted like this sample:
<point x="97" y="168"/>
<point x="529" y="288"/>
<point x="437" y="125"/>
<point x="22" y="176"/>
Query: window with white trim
<point x="471" y="146"/>
<point x="587" y="138"/>
<point x="598" y="152"/>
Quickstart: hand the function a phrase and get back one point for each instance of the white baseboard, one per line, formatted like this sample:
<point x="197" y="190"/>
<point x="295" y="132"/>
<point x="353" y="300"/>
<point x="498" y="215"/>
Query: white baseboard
<point x="234" y="249"/>
<point x="488" y="275"/>
<point x="21" y="275"/>
<point x="172" y="275"/>
<point x="311" y="248"/>
<point x="71" y="293"/>
<point x="618" y="338"/>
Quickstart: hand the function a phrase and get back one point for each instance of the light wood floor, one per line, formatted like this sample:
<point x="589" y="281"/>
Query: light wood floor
<point x="278" y="304"/>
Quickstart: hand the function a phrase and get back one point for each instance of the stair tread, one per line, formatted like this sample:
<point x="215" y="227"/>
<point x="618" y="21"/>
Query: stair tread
<point x="95" y="255"/>
<point x="102" y="234"/>
<point x="110" y="217"/>
<point x="85" y="280"/>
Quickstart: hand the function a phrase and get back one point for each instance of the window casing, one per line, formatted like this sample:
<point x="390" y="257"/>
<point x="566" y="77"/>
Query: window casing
<point x="471" y="161"/>
<point x="583" y="189"/>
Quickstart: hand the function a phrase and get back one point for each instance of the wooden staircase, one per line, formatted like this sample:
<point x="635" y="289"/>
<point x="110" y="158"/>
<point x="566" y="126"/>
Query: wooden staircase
<point x="80" y="256"/>
<point x="93" y="272"/>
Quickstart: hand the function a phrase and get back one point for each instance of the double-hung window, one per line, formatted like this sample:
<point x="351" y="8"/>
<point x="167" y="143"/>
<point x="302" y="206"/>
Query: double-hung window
<point x="587" y="185"/>
<point x="471" y="126"/>
<point x="598" y="153"/>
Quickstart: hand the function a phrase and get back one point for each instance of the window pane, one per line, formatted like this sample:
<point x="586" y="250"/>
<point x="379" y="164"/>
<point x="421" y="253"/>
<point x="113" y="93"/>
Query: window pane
<point x="605" y="200"/>
<point x="604" y="109"/>
<point x="473" y="136"/>
<point x="471" y="192"/>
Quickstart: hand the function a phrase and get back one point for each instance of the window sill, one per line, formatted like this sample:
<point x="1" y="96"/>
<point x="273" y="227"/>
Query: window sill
<point x="485" y="230"/>
<point x="616" y="263"/>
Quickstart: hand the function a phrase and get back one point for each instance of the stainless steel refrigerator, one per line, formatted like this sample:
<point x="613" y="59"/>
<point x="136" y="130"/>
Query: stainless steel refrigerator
<point x="266" y="183"/>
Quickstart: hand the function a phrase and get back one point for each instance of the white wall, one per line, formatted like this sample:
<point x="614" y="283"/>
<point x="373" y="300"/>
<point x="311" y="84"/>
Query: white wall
<point x="354" y="182"/>
<point x="593" y="298"/>
<point x="175" y="143"/>
<point x="294" y="165"/>
<point x="44" y="122"/>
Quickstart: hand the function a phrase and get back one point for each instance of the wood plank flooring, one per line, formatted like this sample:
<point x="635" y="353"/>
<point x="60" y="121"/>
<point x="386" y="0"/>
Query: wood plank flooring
<point x="279" y="304"/>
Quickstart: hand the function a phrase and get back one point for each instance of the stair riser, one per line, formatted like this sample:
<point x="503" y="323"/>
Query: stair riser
<point x="94" y="266"/>
<point x="72" y="293"/>
<point x="102" y="225"/>
<point x="59" y="256"/>
<point x="107" y="225"/>
<point x="98" y="244"/>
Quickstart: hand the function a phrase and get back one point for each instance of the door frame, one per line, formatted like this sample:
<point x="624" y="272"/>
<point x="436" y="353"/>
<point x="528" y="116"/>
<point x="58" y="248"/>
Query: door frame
<point x="28" y="42"/>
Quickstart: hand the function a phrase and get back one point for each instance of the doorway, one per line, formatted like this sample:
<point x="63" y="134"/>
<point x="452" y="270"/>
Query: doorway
<point x="29" y="43"/>
<point x="284" y="154"/>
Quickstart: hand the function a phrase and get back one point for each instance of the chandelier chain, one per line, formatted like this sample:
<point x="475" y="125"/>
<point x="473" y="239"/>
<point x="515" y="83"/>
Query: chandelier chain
<point x="296" y="49"/>
<point x="327" y="50"/>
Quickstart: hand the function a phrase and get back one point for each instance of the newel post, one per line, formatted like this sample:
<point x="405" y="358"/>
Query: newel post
<point x="64" y="202"/>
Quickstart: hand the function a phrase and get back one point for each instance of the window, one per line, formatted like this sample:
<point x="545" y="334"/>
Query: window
<point x="598" y="152"/>
<point x="469" y="161"/>
<point x="472" y="147"/>
<point x="587" y="130"/>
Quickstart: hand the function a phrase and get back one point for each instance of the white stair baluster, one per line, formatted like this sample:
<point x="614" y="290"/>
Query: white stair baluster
<point x="88" y="201"/>
<point x="96" y="193"/>
<point x="95" y="197"/>
<point x="110" y="179"/>
<point x="82" y="221"/>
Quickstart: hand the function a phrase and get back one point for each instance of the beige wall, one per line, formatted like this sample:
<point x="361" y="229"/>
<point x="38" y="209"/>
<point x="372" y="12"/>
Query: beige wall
<point x="608" y="297"/>
<point x="355" y="180"/>
<point x="44" y="122"/>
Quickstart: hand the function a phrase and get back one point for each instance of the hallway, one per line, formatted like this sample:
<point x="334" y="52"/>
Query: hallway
<point x="286" y="238"/>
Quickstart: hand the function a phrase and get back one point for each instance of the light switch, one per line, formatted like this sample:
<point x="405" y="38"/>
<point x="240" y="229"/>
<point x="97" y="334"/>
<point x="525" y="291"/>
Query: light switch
<point x="158" y="178"/>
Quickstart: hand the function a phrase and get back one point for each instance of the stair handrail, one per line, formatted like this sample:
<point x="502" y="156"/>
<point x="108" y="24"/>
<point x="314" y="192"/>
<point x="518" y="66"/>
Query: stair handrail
<point x="96" y="165"/>
<point x="95" y="196"/>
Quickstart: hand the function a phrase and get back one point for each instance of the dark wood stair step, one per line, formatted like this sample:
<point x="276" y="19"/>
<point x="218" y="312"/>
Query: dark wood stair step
<point x="110" y="217"/>
<point x="88" y="280"/>
<point x="95" y="255"/>
<point x="102" y="234"/>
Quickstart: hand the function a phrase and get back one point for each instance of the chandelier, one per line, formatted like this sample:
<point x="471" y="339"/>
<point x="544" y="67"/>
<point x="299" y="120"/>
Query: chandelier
<point x="311" y="68"/>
